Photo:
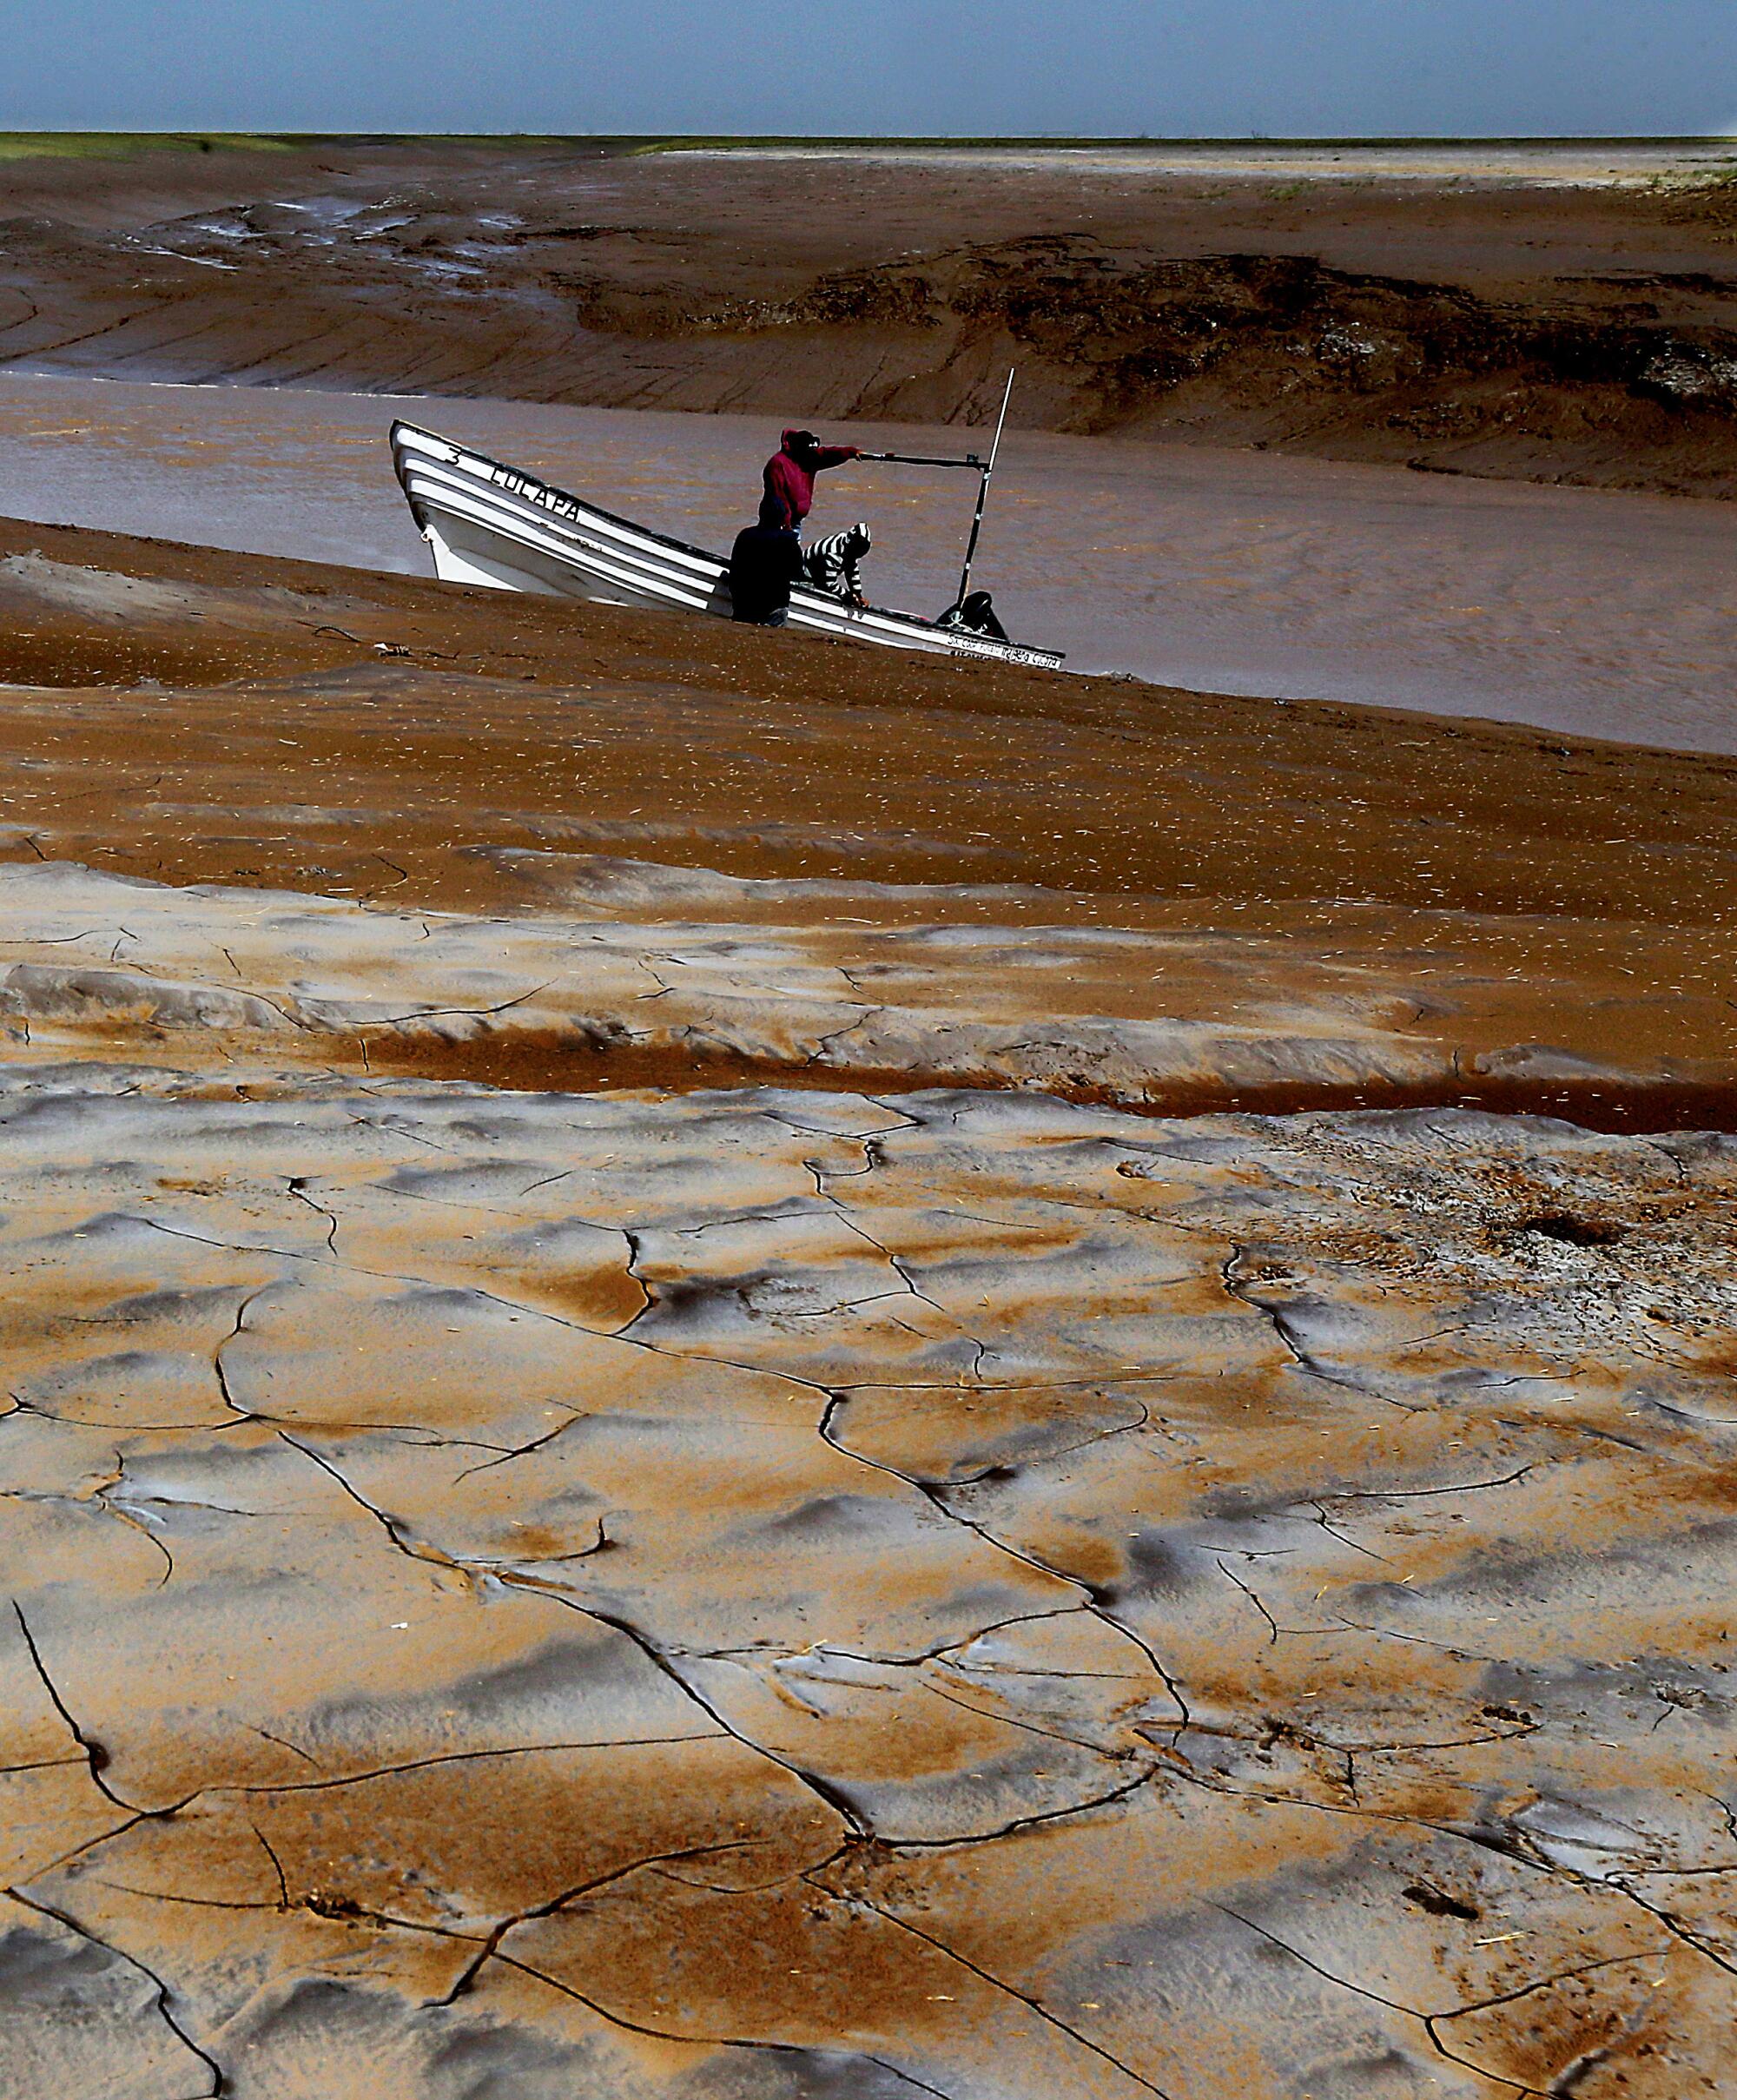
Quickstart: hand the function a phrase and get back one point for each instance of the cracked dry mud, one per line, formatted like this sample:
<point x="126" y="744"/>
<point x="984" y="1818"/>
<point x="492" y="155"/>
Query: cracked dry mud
<point x="775" y="1593"/>
<point x="577" y="1528"/>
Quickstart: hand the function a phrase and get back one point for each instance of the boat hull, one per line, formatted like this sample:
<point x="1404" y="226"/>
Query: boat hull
<point x="494" y="526"/>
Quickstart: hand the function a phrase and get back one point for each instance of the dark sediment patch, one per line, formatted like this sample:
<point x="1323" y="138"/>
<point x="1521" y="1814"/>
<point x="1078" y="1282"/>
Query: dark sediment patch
<point x="531" y="1063"/>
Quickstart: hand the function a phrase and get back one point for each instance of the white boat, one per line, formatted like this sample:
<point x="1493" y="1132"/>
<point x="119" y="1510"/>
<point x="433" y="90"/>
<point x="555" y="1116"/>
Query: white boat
<point x="500" y="527"/>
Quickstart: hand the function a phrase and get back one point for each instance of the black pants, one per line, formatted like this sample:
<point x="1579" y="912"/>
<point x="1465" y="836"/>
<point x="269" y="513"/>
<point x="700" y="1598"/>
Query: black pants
<point x="763" y="564"/>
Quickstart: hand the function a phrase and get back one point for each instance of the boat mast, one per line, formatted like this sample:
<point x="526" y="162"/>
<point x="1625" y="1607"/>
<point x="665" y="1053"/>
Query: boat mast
<point x="982" y="495"/>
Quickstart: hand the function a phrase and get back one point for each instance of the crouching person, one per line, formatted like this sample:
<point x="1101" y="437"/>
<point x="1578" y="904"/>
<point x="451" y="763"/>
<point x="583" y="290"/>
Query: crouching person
<point x="835" y="564"/>
<point x="763" y="564"/>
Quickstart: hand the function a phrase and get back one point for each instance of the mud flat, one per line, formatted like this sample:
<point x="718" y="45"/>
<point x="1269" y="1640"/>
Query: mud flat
<point x="1473" y="309"/>
<point x="688" y="1415"/>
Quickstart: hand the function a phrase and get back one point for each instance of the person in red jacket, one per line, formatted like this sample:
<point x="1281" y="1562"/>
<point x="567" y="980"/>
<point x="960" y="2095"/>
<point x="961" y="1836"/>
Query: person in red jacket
<point x="789" y="478"/>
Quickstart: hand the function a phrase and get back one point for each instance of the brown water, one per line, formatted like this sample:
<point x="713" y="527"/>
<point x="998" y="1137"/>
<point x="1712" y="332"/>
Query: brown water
<point x="1232" y="572"/>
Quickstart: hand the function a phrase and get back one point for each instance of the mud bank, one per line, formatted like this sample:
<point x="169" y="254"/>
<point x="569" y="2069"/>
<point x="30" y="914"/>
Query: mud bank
<point x="537" y="1562"/>
<point x="1463" y="891"/>
<point x="1496" y="317"/>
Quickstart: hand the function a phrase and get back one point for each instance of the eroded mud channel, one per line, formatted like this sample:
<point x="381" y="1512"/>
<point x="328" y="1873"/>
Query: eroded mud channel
<point x="640" y="1458"/>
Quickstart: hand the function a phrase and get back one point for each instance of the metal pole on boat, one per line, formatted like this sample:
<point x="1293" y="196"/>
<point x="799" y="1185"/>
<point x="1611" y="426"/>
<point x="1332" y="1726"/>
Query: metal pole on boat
<point x="982" y="495"/>
<point x="923" y="459"/>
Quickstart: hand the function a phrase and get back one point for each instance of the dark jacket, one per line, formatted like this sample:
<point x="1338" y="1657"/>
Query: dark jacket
<point x="763" y="564"/>
<point x="789" y="482"/>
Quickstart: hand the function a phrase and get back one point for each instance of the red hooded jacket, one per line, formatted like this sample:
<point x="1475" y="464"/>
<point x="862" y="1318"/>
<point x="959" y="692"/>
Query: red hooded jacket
<point x="789" y="482"/>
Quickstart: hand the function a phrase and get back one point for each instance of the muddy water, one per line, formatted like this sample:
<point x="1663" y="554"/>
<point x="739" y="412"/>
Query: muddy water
<point x="1232" y="572"/>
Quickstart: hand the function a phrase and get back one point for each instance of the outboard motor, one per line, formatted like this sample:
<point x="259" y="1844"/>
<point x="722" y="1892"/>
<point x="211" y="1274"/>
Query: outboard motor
<point x="975" y="614"/>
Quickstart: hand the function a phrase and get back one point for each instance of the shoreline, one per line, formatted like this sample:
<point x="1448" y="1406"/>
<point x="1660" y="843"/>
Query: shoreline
<point x="1256" y="575"/>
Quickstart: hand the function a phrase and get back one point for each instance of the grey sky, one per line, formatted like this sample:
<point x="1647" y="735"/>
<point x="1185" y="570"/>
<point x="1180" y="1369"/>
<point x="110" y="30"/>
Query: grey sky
<point x="1167" y="67"/>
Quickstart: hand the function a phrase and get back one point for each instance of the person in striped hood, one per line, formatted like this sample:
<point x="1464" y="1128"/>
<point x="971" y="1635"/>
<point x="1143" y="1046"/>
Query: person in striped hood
<point x="835" y="564"/>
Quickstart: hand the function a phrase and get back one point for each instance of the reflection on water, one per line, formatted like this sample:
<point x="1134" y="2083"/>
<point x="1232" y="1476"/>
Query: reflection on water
<point x="1232" y="572"/>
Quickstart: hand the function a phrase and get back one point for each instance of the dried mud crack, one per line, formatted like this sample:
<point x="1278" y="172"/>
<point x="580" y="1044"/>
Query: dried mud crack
<point x="1167" y="1529"/>
<point x="763" y="1724"/>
